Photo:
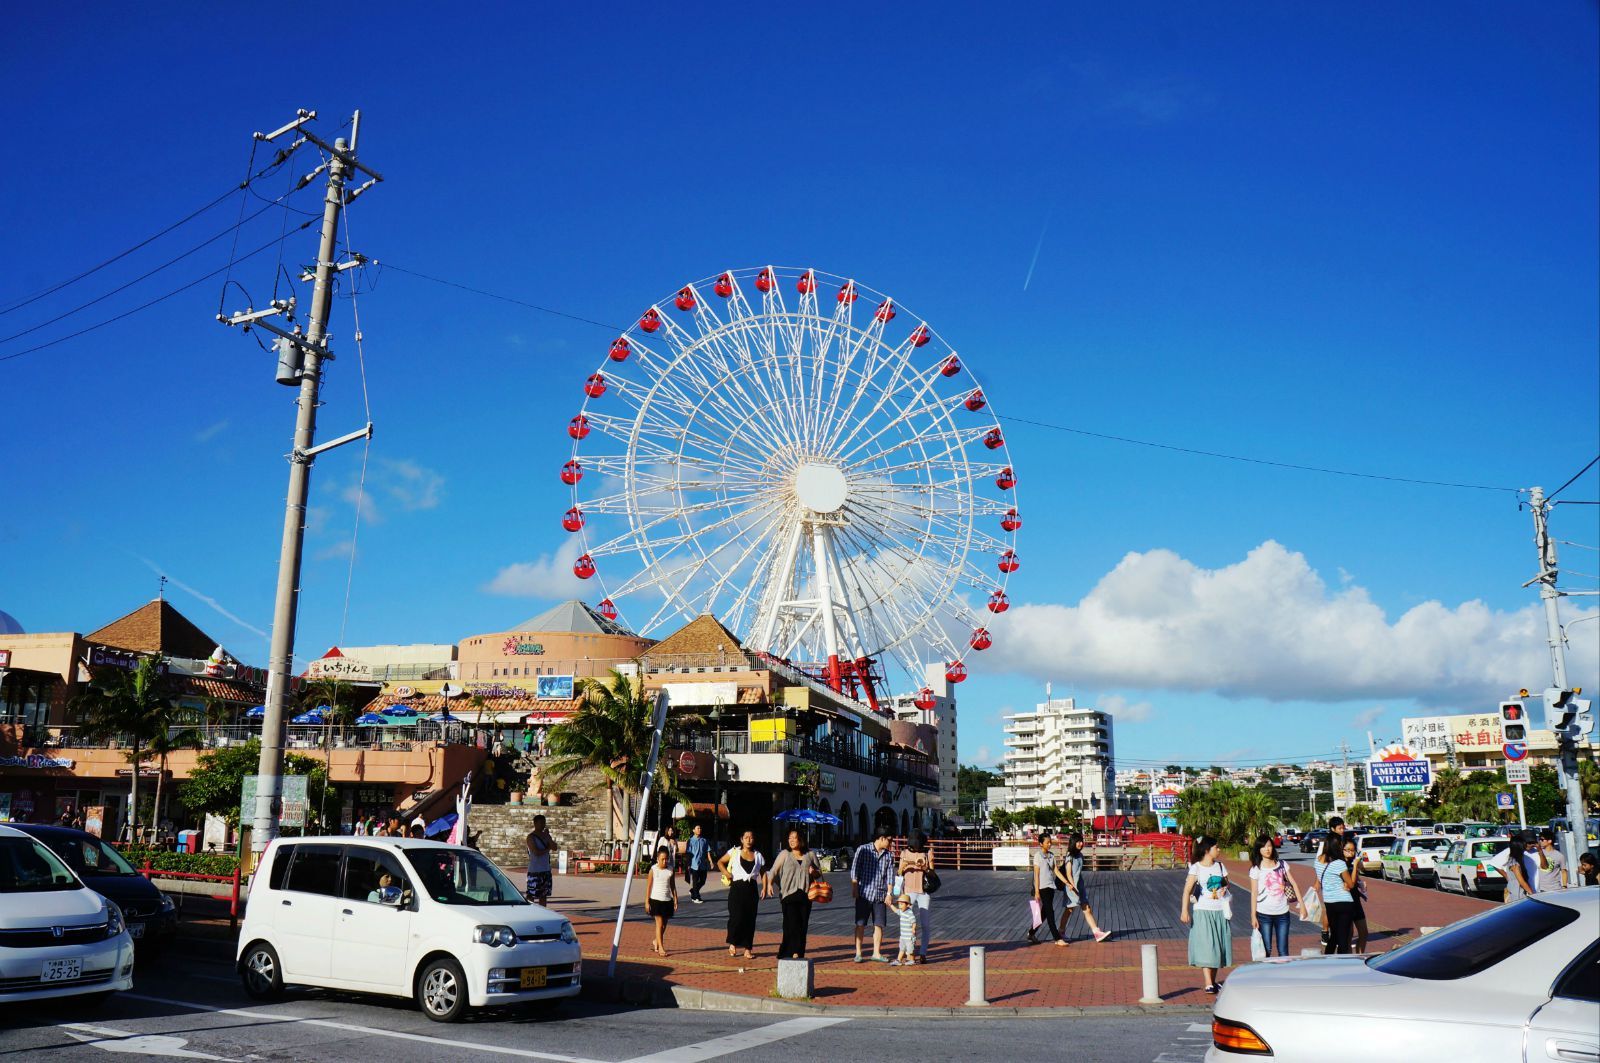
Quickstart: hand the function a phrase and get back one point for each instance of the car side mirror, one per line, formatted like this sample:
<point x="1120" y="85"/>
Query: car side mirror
<point x="392" y="895"/>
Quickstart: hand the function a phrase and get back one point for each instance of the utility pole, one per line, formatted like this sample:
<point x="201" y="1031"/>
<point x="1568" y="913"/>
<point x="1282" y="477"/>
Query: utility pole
<point x="300" y="358"/>
<point x="1549" y="571"/>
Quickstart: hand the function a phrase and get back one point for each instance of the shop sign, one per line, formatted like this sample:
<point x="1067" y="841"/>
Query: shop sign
<point x="553" y="687"/>
<point x="144" y="772"/>
<point x="496" y="690"/>
<point x="36" y="760"/>
<point x="338" y="668"/>
<point x="516" y="646"/>
<point x="830" y="781"/>
<point x="292" y="802"/>
<point x="1398" y="768"/>
<point x="100" y="657"/>
<point x="403" y="692"/>
<point x="1165" y="800"/>
<point x="5" y="658"/>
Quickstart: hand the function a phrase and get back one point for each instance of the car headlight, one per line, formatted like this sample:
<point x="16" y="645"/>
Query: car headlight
<point x="494" y="936"/>
<point x="166" y="903"/>
<point x="114" y="924"/>
<point x="569" y="935"/>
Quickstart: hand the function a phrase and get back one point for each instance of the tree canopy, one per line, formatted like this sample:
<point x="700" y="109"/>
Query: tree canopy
<point x="218" y="779"/>
<point x="1234" y="815"/>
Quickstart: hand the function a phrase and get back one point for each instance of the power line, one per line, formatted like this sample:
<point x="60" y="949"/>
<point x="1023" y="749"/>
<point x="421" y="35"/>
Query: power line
<point x="1551" y="496"/>
<point x="158" y="299"/>
<point x="245" y="184"/>
<point x="1024" y="420"/>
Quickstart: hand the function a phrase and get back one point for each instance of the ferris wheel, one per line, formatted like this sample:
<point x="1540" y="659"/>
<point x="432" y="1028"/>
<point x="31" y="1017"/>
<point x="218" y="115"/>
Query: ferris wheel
<point x="802" y="458"/>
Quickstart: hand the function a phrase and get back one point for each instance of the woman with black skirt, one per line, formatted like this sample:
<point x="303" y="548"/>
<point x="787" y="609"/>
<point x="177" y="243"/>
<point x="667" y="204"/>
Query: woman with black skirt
<point x="743" y="869"/>
<point x="661" y="899"/>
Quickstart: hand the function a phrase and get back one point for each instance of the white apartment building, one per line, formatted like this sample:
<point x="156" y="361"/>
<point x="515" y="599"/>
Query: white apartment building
<point x="1060" y="755"/>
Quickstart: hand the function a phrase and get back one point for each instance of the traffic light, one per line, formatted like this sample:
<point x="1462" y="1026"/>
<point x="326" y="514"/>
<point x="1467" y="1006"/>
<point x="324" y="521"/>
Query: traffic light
<point x="1513" y="721"/>
<point x="1561" y="707"/>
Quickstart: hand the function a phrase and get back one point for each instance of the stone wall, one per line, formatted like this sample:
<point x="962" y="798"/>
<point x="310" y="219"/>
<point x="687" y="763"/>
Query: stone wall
<point x="580" y="826"/>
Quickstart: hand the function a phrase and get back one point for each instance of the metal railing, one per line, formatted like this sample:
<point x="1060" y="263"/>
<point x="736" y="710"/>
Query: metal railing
<point x="880" y="766"/>
<point x="224" y="735"/>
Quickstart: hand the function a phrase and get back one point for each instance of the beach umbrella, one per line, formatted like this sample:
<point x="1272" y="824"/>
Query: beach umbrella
<point x="308" y="719"/>
<point x="371" y="719"/>
<point x="443" y="717"/>
<point x="256" y="712"/>
<point x="398" y="710"/>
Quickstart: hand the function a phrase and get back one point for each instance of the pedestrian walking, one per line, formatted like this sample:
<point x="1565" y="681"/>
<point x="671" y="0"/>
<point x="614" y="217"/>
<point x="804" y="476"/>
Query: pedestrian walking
<point x="1205" y="892"/>
<point x="916" y="860"/>
<point x="1336" y="881"/>
<point x="790" y="880"/>
<point x="871" y="878"/>
<point x="661" y="899"/>
<point x="743" y="868"/>
<point x="1519" y="882"/>
<point x="1550" y="870"/>
<point x="906" y="910"/>
<point x="540" y="846"/>
<point x="1358" y="895"/>
<point x="667" y="842"/>
<point x="1273" y="891"/>
<point x="1044" y="891"/>
<point x="697" y="862"/>
<point x="1069" y="873"/>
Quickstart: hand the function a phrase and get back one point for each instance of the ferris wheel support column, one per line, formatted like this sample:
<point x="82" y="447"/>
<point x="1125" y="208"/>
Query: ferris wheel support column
<point x="823" y="561"/>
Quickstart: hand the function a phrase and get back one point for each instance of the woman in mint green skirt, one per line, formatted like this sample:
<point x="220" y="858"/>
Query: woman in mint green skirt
<point x="1205" y="891"/>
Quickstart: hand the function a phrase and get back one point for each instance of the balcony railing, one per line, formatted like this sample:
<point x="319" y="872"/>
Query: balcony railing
<point x="880" y="766"/>
<point x="223" y="736"/>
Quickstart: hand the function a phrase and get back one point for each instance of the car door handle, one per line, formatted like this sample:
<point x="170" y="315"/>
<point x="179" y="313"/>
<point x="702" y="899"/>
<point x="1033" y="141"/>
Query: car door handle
<point x="288" y="904"/>
<point x="347" y="911"/>
<point x="1575" y="1051"/>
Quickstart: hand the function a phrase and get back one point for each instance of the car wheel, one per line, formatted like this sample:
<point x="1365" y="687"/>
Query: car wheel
<point x="261" y="972"/>
<point x="442" y="991"/>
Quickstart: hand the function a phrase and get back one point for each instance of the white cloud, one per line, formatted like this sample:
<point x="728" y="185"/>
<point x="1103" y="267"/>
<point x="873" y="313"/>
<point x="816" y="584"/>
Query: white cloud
<point x="410" y="485"/>
<point x="983" y="757"/>
<point x="327" y="553"/>
<point x="357" y="495"/>
<point x="548" y="577"/>
<point x="210" y="432"/>
<point x="1124" y="710"/>
<point x="1269" y="627"/>
<point x="1364" y="720"/>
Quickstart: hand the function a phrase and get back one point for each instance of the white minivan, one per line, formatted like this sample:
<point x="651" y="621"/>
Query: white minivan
<point x="404" y="917"/>
<point x="58" y="937"/>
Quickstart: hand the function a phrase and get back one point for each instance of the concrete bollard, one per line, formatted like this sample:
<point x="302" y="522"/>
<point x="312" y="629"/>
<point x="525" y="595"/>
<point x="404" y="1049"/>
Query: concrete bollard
<point x="977" y="977"/>
<point x="1150" y="969"/>
<point x="794" y="979"/>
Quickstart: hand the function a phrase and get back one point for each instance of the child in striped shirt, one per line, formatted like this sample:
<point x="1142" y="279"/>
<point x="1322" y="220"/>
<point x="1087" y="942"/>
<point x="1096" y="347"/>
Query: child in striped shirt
<point x="908" y="926"/>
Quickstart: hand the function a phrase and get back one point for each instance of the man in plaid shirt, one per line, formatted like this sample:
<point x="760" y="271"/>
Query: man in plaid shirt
<point x="871" y="876"/>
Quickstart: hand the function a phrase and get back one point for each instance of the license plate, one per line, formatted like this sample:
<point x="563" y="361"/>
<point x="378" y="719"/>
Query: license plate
<point x="533" y="978"/>
<point x="61" y="970"/>
<point x="136" y="930"/>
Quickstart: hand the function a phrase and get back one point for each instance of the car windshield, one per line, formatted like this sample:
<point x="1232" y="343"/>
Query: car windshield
<point x="1483" y="850"/>
<point x="1376" y="841"/>
<point x="90" y="856"/>
<point x="26" y="866"/>
<point x="1429" y="845"/>
<point x="461" y="876"/>
<point x="1475" y="944"/>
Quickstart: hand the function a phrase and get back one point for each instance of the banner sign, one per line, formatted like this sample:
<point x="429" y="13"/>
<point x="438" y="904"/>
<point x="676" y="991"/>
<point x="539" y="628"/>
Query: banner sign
<point x="1344" y="787"/>
<point x="36" y="760"/>
<point x="1398" y="768"/>
<point x="553" y="687"/>
<point x="293" y="812"/>
<point x="1519" y="773"/>
<point x="1164" y="800"/>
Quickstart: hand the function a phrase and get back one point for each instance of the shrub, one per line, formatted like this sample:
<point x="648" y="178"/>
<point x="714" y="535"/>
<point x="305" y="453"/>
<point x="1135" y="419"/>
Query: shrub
<point x="188" y="863"/>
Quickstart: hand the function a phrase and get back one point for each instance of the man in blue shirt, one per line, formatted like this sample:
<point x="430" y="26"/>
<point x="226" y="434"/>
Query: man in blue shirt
<point x="697" y="854"/>
<point x="871" y="876"/>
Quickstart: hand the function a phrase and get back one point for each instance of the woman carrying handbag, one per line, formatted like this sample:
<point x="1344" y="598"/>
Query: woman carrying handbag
<point x="918" y="882"/>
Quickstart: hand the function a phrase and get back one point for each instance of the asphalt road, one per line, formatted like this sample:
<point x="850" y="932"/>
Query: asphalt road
<point x="188" y="1005"/>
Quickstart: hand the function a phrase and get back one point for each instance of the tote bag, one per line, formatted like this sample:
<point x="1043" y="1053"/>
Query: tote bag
<point x="1035" y="913"/>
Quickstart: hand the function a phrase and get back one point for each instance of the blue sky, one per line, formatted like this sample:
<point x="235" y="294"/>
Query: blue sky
<point x="1362" y="238"/>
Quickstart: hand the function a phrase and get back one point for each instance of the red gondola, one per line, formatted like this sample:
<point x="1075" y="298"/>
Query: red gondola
<point x="607" y="609"/>
<point x="764" y="280"/>
<point x="571" y="473"/>
<point x="685" y="299"/>
<point x="724" y="285"/>
<point x="595" y="386"/>
<point x="976" y="401"/>
<point x="807" y="283"/>
<point x="998" y="603"/>
<point x="620" y="349"/>
<point x="583" y="568"/>
<point x="920" y="336"/>
<point x="925" y="699"/>
<point x="981" y="640"/>
<point x="1009" y="562"/>
<point x="847" y="293"/>
<point x="885" y="311"/>
<point x="1006" y="480"/>
<point x="572" y="519"/>
<point x="994" y="440"/>
<point x="951" y="366"/>
<point x="651" y="320"/>
<point x="1011" y="521"/>
<point x="955" y="671"/>
<point x="578" y="427"/>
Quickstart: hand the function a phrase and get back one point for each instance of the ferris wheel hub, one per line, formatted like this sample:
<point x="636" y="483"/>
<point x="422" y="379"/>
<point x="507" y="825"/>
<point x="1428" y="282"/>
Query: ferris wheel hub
<point x="821" y="488"/>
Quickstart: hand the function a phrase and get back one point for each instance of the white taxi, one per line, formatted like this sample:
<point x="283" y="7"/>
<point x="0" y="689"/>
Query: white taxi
<point x="58" y="937"/>
<point x="402" y="917"/>
<point x="1411" y="858"/>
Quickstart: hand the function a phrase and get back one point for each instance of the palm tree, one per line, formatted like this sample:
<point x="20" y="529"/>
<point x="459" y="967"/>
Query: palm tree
<point x="611" y="733"/>
<point x="136" y="704"/>
<point x="1229" y="813"/>
<point x="332" y="693"/>
<point x="213" y="713"/>
<point x="163" y="742"/>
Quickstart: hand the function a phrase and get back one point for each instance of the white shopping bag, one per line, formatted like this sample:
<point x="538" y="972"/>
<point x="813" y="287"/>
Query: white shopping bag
<point x="1258" y="948"/>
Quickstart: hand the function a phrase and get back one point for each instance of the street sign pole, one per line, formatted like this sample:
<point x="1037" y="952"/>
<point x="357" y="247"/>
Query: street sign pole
<point x="1522" y="815"/>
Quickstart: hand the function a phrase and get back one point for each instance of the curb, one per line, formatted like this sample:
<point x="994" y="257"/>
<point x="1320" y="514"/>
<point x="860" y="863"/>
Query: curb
<point x="651" y="992"/>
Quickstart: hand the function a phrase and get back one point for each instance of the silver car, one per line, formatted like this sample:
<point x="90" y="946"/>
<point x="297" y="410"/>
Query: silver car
<point x="1518" y="982"/>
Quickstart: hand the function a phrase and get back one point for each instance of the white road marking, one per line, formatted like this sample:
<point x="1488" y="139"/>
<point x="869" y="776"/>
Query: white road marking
<point x="737" y="1042"/>
<point x="369" y="1031"/>
<point x="114" y="1040"/>
<point x="1199" y="1027"/>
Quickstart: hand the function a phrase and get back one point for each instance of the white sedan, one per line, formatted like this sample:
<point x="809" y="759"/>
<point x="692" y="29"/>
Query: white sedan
<point x="1517" y="982"/>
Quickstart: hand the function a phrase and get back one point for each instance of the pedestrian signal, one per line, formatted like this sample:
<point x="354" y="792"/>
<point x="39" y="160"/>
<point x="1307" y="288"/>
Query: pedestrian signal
<point x="1513" y="721"/>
